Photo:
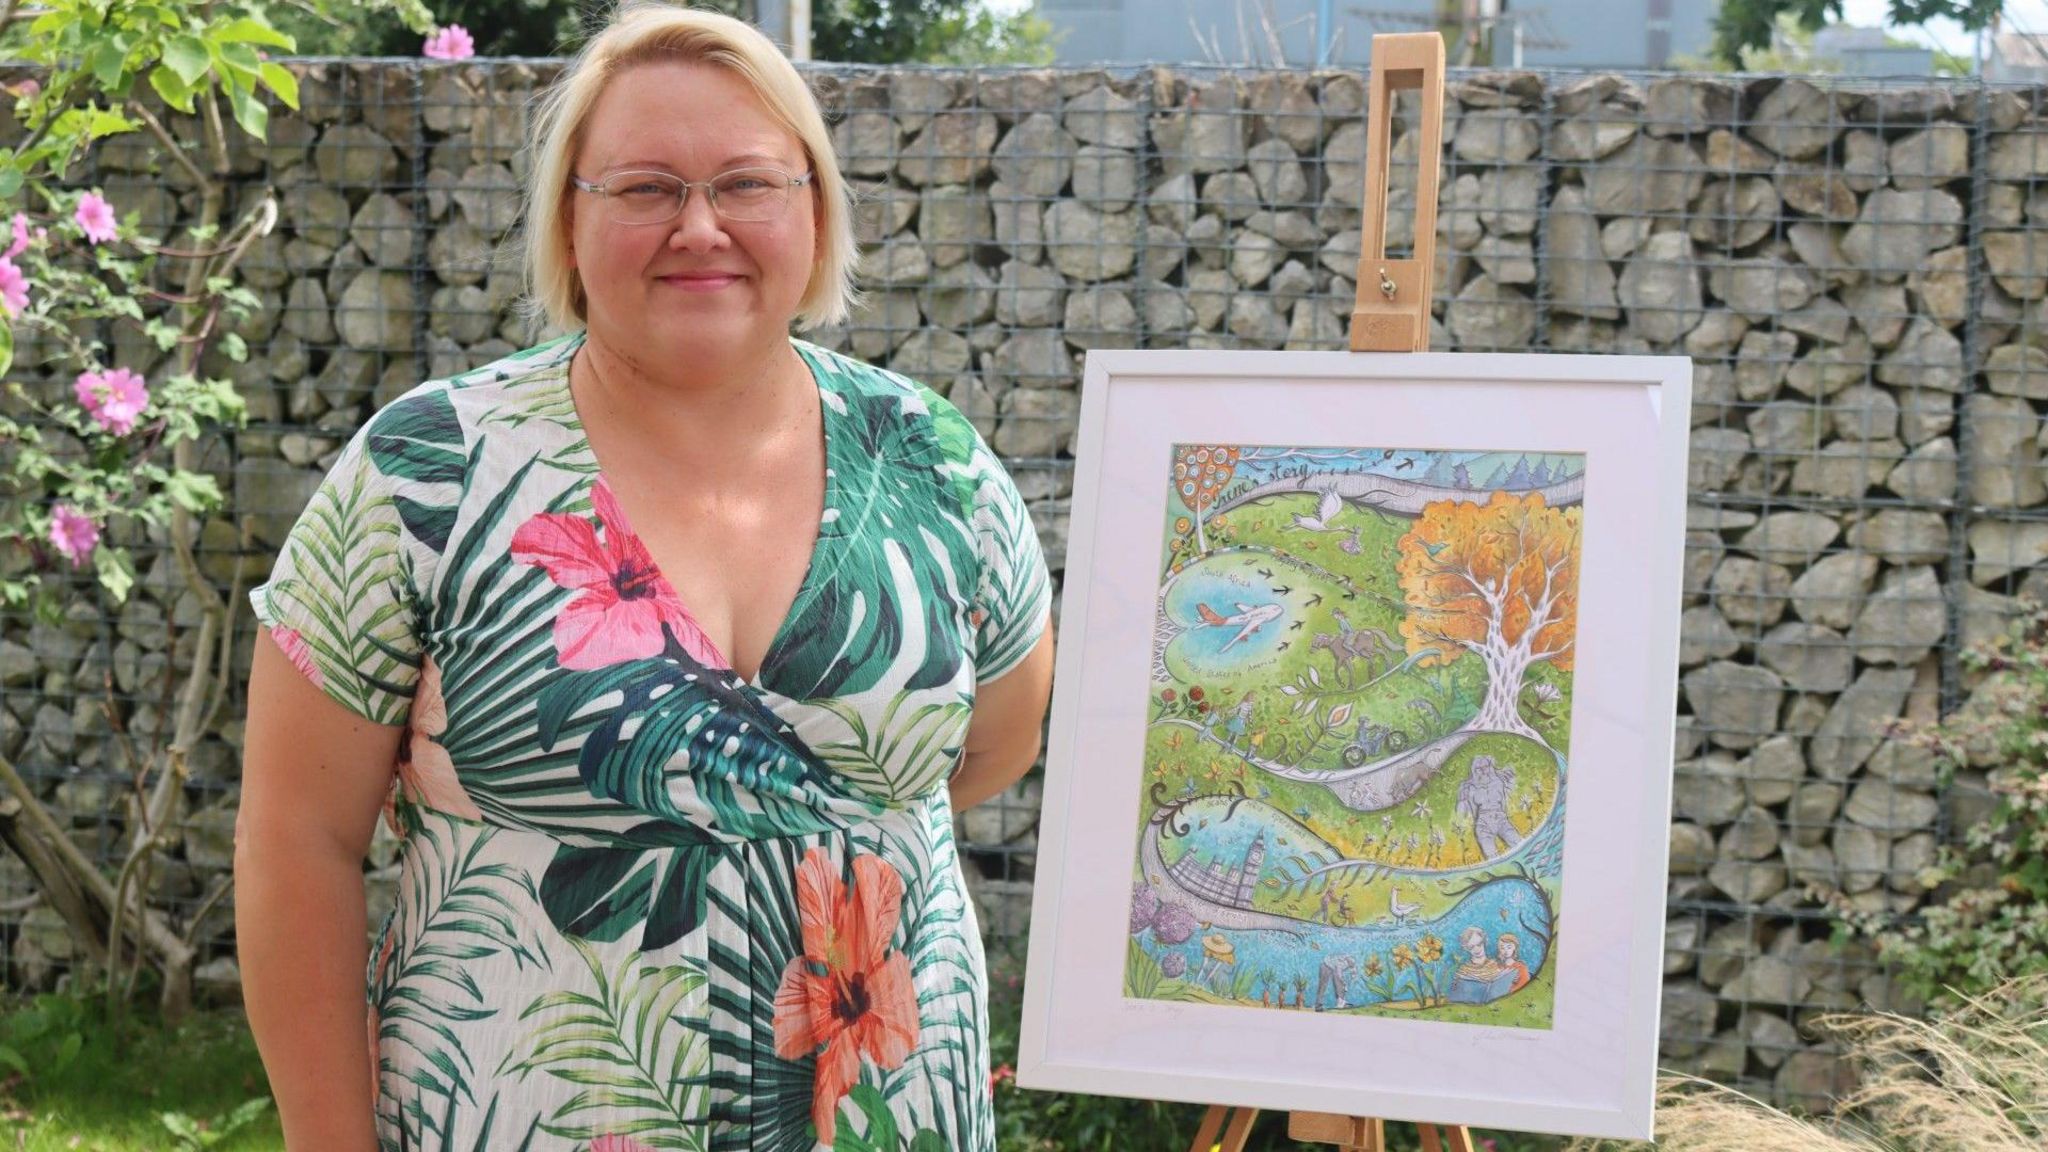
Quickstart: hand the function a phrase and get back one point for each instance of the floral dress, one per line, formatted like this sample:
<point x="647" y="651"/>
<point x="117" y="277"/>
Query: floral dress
<point x="643" y="901"/>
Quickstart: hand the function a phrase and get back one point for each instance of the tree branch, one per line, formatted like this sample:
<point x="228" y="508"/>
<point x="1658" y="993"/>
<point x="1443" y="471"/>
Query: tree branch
<point x="170" y="144"/>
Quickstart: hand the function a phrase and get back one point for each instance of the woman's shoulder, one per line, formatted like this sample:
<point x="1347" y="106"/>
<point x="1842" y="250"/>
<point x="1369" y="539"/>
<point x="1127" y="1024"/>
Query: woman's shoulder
<point x="849" y="379"/>
<point x="527" y="379"/>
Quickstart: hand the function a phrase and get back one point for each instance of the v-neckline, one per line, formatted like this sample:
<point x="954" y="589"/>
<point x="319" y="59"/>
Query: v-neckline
<point x="813" y="567"/>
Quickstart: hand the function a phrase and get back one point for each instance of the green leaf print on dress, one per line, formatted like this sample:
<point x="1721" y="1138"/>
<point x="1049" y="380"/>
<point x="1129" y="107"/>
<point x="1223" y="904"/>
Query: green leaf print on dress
<point x="635" y="1043"/>
<point x="893" y="556"/>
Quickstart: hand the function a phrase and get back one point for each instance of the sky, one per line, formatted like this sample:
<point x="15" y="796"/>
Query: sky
<point x="2021" y="16"/>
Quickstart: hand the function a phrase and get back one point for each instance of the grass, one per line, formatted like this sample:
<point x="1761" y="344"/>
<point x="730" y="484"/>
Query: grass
<point x="1972" y="1080"/>
<point x="113" y="1094"/>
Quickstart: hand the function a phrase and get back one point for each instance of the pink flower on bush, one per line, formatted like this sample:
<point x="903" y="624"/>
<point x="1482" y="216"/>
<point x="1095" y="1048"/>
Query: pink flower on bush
<point x="610" y="1143"/>
<point x="13" y="287"/>
<point x="96" y="217"/>
<point x="451" y="43"/>
<point x="74" y="534"/>
<point x="115" y="398"/>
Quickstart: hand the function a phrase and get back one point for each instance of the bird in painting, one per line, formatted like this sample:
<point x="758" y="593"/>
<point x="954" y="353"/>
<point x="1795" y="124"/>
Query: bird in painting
<point x="1327" y="509"/>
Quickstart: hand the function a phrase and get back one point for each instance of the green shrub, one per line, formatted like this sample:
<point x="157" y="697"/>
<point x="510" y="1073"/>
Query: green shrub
<point x="1987" y="921"/>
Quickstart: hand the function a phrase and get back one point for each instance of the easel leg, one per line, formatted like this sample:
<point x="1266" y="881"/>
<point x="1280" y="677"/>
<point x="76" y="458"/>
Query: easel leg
<point x="1224" y="1128"/>
<point x="1445" y="1138"/>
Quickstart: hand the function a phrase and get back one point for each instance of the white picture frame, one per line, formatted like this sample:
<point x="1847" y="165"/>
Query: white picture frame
<point x="1589" y="1069"/>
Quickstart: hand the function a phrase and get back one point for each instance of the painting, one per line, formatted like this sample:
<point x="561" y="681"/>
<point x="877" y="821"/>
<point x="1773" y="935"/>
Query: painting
<point x="1359" y="734"/>
<point x="1357" y="788"/>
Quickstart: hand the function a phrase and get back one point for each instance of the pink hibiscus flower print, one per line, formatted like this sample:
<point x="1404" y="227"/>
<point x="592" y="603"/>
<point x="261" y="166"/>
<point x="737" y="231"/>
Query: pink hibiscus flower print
<point x="299" y="653"/>
<point x="96" y="218"/>
<point x="115" y="398"/>
<point x="451" y="43"/>
<point x="13" y="287"/>
<point x="74" y="534"/>
<point x="622" y="602"/>
<point x="426" y="773"/>
<point x="613" y="1143"/>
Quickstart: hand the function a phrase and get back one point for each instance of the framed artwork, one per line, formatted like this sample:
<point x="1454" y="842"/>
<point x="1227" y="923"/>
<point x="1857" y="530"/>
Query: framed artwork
<point x="1358" y="784"/>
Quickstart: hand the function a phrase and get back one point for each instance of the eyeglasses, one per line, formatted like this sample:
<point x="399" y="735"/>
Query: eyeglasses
<point x="744" y="194"/>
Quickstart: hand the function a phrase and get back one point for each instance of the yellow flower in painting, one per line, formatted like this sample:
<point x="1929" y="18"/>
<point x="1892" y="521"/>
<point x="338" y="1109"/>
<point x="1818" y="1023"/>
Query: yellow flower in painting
<point x="1404" y="956"/>
<point x="1430" y="949"/>
<point x="1182" y="525"/>
<point x="1258" y="738"/>
<point x="1373" y="968"/>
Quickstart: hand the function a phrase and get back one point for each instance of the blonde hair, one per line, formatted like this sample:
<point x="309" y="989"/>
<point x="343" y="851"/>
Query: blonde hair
<point x="644" y="31"/>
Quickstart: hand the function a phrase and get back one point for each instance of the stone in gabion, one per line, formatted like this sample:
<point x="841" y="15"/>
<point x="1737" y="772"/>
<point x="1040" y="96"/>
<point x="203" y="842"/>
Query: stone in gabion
<point x="1661" y="288"/>
<point x="2004" y="455"/>
<point x="1036" y="157"/>
<point x="1101" y="116"/>
<point x="1898" y="230"/>
<point x="1737" y="704"/>
<point x="1858" y="722"/>
<point x="1088" y="245"/>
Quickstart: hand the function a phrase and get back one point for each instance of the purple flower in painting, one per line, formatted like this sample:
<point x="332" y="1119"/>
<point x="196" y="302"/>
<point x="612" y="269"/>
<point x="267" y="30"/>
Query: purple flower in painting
<point x="1173" y="965"/>
<point x="1174" y="924"/>
<point x="1144" y="908"/>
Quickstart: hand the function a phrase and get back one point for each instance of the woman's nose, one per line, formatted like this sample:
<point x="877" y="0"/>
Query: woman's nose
<point x="697" y="226"/>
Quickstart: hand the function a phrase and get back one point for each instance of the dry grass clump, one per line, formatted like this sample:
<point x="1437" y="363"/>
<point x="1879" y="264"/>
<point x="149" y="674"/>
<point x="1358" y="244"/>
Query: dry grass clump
<point x="1974" y="1079"/>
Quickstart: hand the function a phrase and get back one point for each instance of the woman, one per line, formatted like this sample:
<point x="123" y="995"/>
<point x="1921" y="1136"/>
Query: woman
<point x="674" y="644"/>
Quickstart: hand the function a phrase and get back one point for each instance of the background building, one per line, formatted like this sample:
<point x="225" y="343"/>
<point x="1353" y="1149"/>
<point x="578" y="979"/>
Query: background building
<point x="1574" y="33"/>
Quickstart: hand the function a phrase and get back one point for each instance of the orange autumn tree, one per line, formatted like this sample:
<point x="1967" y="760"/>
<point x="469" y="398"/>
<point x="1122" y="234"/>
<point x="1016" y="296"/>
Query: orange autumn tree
<point x="1500" y="580"/>
<point x="1200" y="473"/>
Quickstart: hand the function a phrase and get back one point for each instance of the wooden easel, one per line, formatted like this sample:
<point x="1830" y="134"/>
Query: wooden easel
<point x="1391" y="314"/>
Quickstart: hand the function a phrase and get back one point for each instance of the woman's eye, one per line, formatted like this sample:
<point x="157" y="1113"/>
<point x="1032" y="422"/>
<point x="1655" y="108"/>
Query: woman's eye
<point x="646" y="188"/>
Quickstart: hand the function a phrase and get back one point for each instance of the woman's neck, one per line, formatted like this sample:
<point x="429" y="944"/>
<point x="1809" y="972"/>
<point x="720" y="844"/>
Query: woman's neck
<point x="715" y="411"/>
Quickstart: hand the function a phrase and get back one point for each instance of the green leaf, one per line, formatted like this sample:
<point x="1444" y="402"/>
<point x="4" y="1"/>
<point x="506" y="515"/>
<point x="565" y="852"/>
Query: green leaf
<point x="249" y="111"/>
<point x="234" y="347"/>
<point x="104" y="61"/>
<point x="187" y="56"/>
<point x="244" y="30"/>
<point x="927" y="1140"/>
<point x="10" y="178"/>
<point x="280" y="80"/>
<point x="173" y="89"/>
<point x="6" y="347"/>
<point x="116" y="572"/>
<point x="104" y="122"/>
<point x="193" y="491"/>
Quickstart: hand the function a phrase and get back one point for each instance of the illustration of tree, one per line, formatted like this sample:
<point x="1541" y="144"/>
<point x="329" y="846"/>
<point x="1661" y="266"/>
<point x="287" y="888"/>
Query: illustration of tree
<point x="1540" y="475"/>
<point x="1461" y="477"/>
<point x="1518" y="476"/>
<point x="1499" y="479"/>
<point x="1200" y="473"/>
<point x="1500" y="580"/>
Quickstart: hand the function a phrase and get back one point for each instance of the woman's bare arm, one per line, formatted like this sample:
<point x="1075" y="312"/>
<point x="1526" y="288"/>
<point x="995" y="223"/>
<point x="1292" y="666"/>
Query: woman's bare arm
<point x="1003" y="737"/>
<point x="314" y="777"/>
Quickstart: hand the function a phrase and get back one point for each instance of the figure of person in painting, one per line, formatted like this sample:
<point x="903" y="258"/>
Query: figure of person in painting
<point x="1484" y="798"/>
<point x="1479" y="980"/>
<point x="1508" y="952"/>
<point x="1240" y="719"/>
<point x="1331" y="974"/>
<point x="1218" y="957"/>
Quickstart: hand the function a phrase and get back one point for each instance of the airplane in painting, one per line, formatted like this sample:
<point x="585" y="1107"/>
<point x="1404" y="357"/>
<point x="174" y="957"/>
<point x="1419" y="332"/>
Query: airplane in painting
<point x="1248" y="618"/>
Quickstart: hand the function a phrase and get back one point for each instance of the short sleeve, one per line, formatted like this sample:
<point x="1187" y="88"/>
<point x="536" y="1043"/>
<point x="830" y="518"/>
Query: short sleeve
<point x="1013" y="596"/>
<point x="341" y="601"/>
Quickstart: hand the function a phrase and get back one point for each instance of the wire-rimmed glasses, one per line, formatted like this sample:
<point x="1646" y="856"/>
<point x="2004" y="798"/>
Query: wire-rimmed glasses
<point x="743" y="194"/>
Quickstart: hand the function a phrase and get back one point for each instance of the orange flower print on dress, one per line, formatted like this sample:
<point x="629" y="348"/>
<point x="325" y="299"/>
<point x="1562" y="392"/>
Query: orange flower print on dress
<point x="425" y="771"/>
<point x="849" y="995"/>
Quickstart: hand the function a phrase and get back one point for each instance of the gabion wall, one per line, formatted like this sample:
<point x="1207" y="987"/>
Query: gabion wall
<point x="1852" y="266"/>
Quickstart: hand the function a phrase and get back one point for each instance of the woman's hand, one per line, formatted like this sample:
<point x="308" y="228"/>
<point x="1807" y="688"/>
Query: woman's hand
<point x="1003" y="737"/>
<point x="314" y="777"/>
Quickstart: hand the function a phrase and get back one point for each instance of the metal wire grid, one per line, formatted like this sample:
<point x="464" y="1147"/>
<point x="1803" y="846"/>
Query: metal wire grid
<point x="1865" y="432"/>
